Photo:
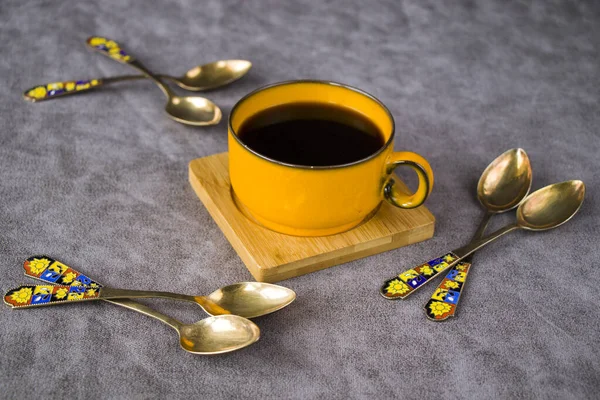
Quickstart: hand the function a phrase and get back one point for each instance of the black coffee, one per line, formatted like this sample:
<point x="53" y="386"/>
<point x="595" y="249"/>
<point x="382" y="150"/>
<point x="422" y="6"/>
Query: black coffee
<point x="311" y="134"/>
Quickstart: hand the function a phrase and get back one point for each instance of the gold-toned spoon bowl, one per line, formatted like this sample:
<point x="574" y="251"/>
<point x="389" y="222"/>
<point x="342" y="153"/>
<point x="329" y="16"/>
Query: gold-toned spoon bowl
<point x="503" y="185"/>
<point x="191" y="110"/>
<point x="505" y="182"/>
<point x="213" y="75"/>
<point x="551" y="206"/>
<point x="252" y="299"/>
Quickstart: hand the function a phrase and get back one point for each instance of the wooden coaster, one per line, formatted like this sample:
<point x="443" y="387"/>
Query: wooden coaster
<point x="272" y="256"/>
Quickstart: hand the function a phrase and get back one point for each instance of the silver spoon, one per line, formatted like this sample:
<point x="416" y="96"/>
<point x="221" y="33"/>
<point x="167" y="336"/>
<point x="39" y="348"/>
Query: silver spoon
<point x="202" y="77"/>
<point x="503" y="186"/>
<point x="544" y="209"/>
<point x="213" y="335"/>
<point x="190" y="110"/>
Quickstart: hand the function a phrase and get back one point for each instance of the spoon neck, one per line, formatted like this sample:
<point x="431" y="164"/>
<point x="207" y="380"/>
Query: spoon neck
<point x="124" y="78"/>
<point x="141" y="308"/>
<point x="110" y="293"/>
<point x="140" y="67"/>
<point x="477" y="244"/>
<point x="210" y="306"/>
<point x="482" y="225"/>
<point x="480" y="231"/>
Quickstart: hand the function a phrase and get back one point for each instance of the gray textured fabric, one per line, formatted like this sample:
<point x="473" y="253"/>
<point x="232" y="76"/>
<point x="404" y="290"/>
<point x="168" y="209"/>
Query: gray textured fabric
<point x="100" y="182"/>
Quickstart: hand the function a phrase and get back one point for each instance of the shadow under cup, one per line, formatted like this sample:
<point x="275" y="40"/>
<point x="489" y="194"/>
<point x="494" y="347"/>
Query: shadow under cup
<point x="317" y="201"/>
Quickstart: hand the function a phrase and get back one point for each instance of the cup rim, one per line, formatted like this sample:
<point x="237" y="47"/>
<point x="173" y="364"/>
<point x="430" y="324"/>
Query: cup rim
<point x="329" y="83"/>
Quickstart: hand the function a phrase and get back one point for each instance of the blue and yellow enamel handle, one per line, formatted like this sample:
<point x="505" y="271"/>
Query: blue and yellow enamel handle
<point x="57" y="89"/>
<point x="110" y="48"/>
<point x="54" y="272"/>
<point x="63" y="284"/>
<point x="75" y="286"/>
<point x="40" y="295"/>
<point x="444" y="301"/>
<point x="402" y="285"/>
<point x="46" y="295"/>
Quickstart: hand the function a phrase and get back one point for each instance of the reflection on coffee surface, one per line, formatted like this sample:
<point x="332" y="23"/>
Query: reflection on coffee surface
<point x="311" y="134"/>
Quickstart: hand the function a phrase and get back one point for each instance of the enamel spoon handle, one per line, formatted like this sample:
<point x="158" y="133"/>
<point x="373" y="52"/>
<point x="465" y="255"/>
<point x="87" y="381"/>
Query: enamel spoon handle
<point x="112" y="49"/>
<point x="444" y="300"/>
<point x="39" y="295"/>
<point x="42" y="295"/>
<point x="55" y="272"/>
<point x="56" y="89"/>
<point x="59" y="89"/>
<point x="53" y="90"/>
<point x="52" y="271"/>
<point x="402" y="285"/>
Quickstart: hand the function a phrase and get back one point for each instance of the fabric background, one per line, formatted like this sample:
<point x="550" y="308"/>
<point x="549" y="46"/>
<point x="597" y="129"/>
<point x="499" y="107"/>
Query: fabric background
<point x="99" y="181"/>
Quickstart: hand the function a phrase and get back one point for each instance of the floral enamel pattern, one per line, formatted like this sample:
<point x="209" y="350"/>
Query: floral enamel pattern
<point x="43" y="92"/>
<point x="442" y="304"/>
<point x="56" y="273"/>
<point x="110" y="47"/>
<point x="404" y="284"/>
<point x="64" y="284"/>
<point x="40" y="295"/>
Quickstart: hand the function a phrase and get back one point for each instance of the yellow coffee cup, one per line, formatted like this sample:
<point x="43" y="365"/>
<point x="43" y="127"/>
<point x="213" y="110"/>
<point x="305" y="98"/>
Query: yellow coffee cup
<point x="316" y="201"/>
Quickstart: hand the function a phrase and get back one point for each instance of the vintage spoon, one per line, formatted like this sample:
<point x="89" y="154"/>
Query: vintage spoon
<point x="247" y="299"/>
<point x="213" y="335"/>
<point x="201" y="77"/>
<point x="190" y="110"/>
<point x="218" y="334"/>
<point x="503" y="186"/>
<point x="544" y="209"/>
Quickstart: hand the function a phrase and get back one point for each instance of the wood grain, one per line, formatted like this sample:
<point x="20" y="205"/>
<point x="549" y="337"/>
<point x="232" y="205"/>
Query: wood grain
<point x="272" y="256"/>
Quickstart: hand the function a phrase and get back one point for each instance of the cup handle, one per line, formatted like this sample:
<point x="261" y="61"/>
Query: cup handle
<point x="424" y="172"/>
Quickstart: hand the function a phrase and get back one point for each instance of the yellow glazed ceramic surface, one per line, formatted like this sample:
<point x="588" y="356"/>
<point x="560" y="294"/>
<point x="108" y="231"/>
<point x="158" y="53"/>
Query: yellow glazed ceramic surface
<point x="318" y="201"/>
